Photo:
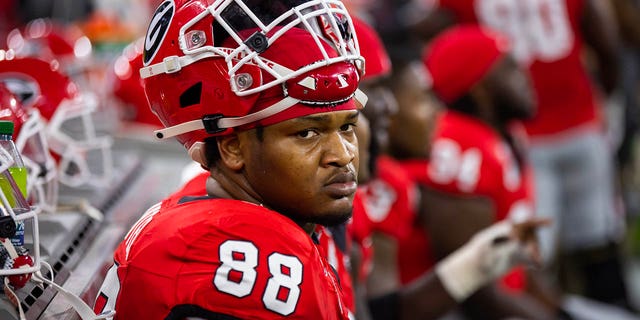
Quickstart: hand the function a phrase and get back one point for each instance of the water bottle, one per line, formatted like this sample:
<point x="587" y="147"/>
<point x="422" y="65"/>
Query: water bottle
<point x="13" y="182"/>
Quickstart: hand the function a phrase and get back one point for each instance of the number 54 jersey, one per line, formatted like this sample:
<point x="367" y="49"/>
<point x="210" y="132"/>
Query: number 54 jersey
<point x="219" y="259"/>
<point x="470" y="158"/>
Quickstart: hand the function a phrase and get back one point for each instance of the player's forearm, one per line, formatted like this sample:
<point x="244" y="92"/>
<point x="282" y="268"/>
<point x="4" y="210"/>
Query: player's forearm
<point x="493" y="303"/>
<point x="425" y="298"/>
<point x="628" y="15"/>
<point x="600" y="31"/>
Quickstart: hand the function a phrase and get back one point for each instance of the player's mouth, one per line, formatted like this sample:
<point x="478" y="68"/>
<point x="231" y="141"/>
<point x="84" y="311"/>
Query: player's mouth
<point x="341" y="185"/>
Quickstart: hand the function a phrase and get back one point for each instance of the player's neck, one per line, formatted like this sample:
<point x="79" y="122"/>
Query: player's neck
<point x="230" y="186"/>
<point x="309" y="228"/>
<point x="214" y="189"/>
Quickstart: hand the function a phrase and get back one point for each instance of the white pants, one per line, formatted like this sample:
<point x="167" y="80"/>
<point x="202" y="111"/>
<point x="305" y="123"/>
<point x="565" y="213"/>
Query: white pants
<point x="574" y="186"/>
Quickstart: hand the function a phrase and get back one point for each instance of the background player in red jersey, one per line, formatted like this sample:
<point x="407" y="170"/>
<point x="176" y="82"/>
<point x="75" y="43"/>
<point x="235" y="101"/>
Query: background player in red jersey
<point x="476" y="173"/>
<point x="571" y="157"/>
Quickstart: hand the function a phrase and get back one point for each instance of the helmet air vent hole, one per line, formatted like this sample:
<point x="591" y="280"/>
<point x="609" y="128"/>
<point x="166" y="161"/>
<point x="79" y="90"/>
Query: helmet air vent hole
<point x="191" y="96"/>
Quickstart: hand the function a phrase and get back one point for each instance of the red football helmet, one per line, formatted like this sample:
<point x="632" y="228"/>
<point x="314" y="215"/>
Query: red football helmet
<point x="213" y="66"/>
<point x="47" y="40"/>
<point x="378" y="63"/>
<point x="30" y="140"/>
<point x="126" y="86"/>
<point x="84" y="156"/>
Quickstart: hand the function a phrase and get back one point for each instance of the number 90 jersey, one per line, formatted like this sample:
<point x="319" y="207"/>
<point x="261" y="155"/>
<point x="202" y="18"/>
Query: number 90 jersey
<point x="545" y="37"/>
<point x="207" y="257"/>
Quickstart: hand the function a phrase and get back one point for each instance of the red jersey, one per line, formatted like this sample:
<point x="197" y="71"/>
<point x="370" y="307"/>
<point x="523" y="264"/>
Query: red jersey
<point x="334" y="253"/>
<point x="545" y="37"/>
<point x="388" y="205"/>
<point x="470" y="158"/>
<point x="204" y="257"/>
<point x="338" y="259"/>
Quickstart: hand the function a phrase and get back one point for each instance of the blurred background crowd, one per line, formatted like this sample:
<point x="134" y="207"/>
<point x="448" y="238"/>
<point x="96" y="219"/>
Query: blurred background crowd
<point x="574" y="136"/>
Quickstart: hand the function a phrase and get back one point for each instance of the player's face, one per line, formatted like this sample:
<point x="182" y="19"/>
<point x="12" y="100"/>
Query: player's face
<point x="305" y="168"/>
<point x="381" y="106"/>
<point x="411" y="127"/>
<point x="512" y="93"/>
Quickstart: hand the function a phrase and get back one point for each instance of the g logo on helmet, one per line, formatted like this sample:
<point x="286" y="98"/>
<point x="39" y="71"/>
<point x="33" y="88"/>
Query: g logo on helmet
<point x="157" y="30"/>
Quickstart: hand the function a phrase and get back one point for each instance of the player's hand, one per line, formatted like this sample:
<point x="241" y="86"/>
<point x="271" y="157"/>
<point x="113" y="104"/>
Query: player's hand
<point x="490" y="254"/>
<point x="526" y="234"/>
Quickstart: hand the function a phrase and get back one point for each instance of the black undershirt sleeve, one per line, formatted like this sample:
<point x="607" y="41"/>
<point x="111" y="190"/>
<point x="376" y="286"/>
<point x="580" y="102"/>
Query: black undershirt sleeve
<point x="184" y="311"/>
<point x="385" y="307"/>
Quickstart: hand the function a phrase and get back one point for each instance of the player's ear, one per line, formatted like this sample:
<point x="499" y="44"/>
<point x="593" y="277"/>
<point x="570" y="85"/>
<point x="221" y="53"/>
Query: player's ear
<point x="230" y="152"/>
<point x="198" y="154"/>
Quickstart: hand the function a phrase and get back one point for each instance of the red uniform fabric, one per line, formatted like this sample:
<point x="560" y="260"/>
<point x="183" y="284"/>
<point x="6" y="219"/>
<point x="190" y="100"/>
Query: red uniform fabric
<point x="195" y="187"/>
<point x="339" y="260"/>
<point x="331" y="251"/>
<point x="545" y="37"/>
<point x="388" y="204"/>
<point x="470" y="158"/>
<point x="219" y="256"/>
<point x="359" y="230"/>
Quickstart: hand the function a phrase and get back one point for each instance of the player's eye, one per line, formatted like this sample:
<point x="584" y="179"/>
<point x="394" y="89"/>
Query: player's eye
<point x="347" y="127"/>
<point x="306" y="134"/>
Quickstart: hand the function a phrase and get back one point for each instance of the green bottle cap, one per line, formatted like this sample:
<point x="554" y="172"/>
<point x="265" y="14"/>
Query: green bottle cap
<point x="6" y="127"/>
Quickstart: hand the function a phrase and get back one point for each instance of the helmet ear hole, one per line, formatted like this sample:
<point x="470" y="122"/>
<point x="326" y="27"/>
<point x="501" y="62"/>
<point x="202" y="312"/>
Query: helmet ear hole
<point x="191" y="96"/>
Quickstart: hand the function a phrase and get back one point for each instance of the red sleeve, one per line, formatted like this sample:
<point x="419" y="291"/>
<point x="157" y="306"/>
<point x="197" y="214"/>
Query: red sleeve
<point x="387" y="203"/>
<point x="403" y="191"/>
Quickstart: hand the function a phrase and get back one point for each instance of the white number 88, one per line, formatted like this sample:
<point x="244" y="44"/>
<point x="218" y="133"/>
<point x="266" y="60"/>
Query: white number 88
<point x="241" y="258"/>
